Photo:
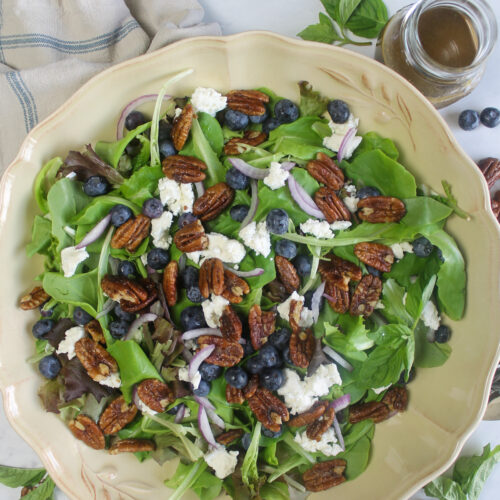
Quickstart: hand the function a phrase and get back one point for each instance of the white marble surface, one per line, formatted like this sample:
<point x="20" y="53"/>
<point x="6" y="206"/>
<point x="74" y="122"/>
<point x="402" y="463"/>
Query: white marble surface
<point x="288" y="17"/>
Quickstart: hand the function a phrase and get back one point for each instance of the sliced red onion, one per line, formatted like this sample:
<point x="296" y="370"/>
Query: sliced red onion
<point x="242" y="341"/>
<point x="200" y="188"/>
<point x="316" y="300"/>
<point x="254" y="203"/>
<point x="203" y="401"/>
<point x="245" y="274"/>
<point x="139" y="101"/>
<point x="198" y="359"/>
<point x="248" y="170"/>
<point x="340" y="438"/>
<point x="287" y="165"/>
<point x="144" y="318"/>
<point x="303" y="200"/>
<point x="106" y="308"/>
<point x="345" y="141"/>
<point x="95" y="233"/>
<point x="180" y="414"/>
<point x="197" y="332"/>
<point x="215" y="418"/>
<point x="329" y="297"/>
<point x="341" y="403"/>
<point x="205" y="428"/>
<point x="338" y="358"/>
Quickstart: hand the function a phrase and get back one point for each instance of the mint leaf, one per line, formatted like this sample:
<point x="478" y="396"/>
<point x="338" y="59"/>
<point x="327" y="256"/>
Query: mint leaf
<point x="332" y="8"/>
<point x="368" y="19"/>
<point x="312" y="103"/>
<point x="346" y="8"/>
<point x="15" y="477"/>
<point x="324" y="31"/>
<point x="444" y="488"/>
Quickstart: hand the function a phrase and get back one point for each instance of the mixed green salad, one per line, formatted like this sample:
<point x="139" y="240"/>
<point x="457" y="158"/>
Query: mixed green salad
<point x="243" y="282"/>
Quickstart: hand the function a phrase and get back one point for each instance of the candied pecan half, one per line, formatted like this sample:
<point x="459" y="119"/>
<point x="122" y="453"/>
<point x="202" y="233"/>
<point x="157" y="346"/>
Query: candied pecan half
<point x="117" y="415"/>
<point x="251" y="388"/>
<point x="287" y="273"/>
<point x="226" y="353"/>
<point x="296" y="307"/>
<point x="230" y="324"/>
<point x="86" y="430"/>
<point x="152" y="294"/>
<point x="309" y="416"/>
<point x="250" y="102"/>
<point x="170" y="275"/>
<point x="396" y="399"/>
<point x="119" y="288"/>
<point x="275" y="291"/>
<point x="378" y="209"/>
<point x="182" y="126"/>
<point x="302" y="345"/>
<point x="234" y="396"/>
<point x="213" y="201"/>
<point x="317" y="428"/>
<point x="495" y="204"/>
<point x="234" y="287"/>
<point x="490" y="167"/>
<point x="184" y="169"/>
<point x="211" y="279"/>
<point x="331" y="205"/>
<point x="366" y="296"/>
<point x="325" y="170"/>
<point x="374" y="410"/>
<point x="338" y="299"/>
<point x="339" y="271"/>
<point x="94" y="329"/>
<point x="236" y="145"/>
<point x="155" y="394"/>
<point x="98" y="363"/>
<point x="132" y="446"/>
<point x="228" y="437"/>
<point x="270" y="411"/>
<point x="324" y="475"/>
<point x="261" y="324"/>
<point x="34" y="299"/>
<point x="191" y="237"/>
<point x="375" y="255"/>
<point x="132" y="233"/>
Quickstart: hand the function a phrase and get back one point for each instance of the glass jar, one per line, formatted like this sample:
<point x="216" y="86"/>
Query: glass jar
<point x="441" y="46"/>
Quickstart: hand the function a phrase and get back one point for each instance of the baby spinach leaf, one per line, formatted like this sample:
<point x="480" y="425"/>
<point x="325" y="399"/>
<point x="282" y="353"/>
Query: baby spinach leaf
<point x="185" y="478"/>
<point x="15" y="477"/>
<point x="44" y="180"/>
<point x="411" y="265"/>
<point x="372" y="141"/>
<point x="429" y="354"/>
<point x="41" y="236"/>
<point x="368" y="19"/>
<point x="357" y="431"/>
<point x="274" y="491"/>
<point x="324" y="31"/>
<point x="212" y="130"/>
<point x="249" y="472"/>
<point x="287" y="465"/>
<point x="99" y="207"/>
<point x="375" y="168"/>
<point x="394" y="309"/>
<point x="312" y="103"/>
<point x="306" y="180"/>
<point x="273" y="97"/>
<point x="142" y="184"/>
<point x="423" y="210"/>
<point x="357" y="458"/>
<point x="141" y="159"/>
<point x="339" y="343"/>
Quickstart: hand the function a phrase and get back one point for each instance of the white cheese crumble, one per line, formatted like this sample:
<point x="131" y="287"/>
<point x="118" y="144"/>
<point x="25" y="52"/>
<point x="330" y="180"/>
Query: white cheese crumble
<point x="306" y="315"/>
<point x="399" y="249"/>
<point x="340" y="225"/>
<point x="319" y="229"/>
<point x="351" y="202"/>
<point x="430" y="315"/>
<point x="257" y="238"/>
<point x="339" y="130"/>
<point x="350" y="189"/>
<point x="223" y="462"/>
<point x="183" y="375"/>
<point x="300" y="395"/>
<point x="71" y="337"/>
<point x="378" y="390"/>
<point x="112" y="380"/>
<point x="179" y="198"/>
<point x="342" y="128"/>
<point x="70" y="258"/>
<point x="144" y="408"/>
<point x="220" y="247"/>
<point x="187" y="412"/>
<point x="208" y="100"/>
<point x="159" y="230"/>
<point x="277" y="176"/>
<point x="213" y="309"/>
<point x="327" y="445"/>
<point x="177" y="112"/>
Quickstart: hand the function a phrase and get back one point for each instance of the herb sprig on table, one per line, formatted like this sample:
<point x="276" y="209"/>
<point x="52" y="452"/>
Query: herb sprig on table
<point x="363" y="18"/>
<point x="36" y="483"/>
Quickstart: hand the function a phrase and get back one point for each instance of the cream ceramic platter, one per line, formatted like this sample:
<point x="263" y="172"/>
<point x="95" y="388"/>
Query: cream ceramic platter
<point x="446" y="403"/>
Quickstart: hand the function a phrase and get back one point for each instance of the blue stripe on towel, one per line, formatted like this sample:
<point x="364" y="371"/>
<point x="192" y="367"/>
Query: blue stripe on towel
<point x="25" y="98"/>
<point x="10" y="80"/>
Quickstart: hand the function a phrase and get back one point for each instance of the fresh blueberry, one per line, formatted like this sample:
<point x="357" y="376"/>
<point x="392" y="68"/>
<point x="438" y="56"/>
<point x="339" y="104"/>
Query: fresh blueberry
<point x="269" y="355"/>
<point x="255" y="364"/>
<point x="134" y="119"/>
<point x="303" y="265"/>
<point x="194" y="294"/>
<point x="185" y="219"/>
<point x="123" y="315"/>
<point x="248" y="349"/>
<point x="439" y="253"/>
<point x="164" y="130"/>
<point x="411" y="376"/>
<point x="189" y="276"/>
<point x="235" y="120"/>
<point x="152" y="208"/>
<point x="173" y="410"/>
<point x="338" y="110"/>
<point x="236" y="179"/>
<point x="166" y="148"/>
<point x="468" y="119"/>
<point x="239" y="212"/>
<point x="373" y="271"/>
<point x="209" y="372"/>
<point x="192" y="317"/>
<point x="81" y="317"/>
<point x="286" y="355"/>
<point x="490" y="117"/>
<point x="133" y="148"/>
<point x="158" y="258"/>
<point x="203" y="389"/>
<point x="443" y="334"/>
<point x="120" y="214"/>
<point x="118" y="328"/>
<point x="422" y="247"/>
<point x="42" y="327"/>
<point x="259" y="118"/>
<point x="270" y="124"/>
<point x="270" y="434"/>
<point x="246" y="439"/>
<point x="286" y="248"/>
<point x="49" y="367"/>
<point x="277" y="221"/>
<point x="272" y="379"/>
<point x="367" y="191"/>
<point x="127" y="269"/>
<point x="219" y="116"/>
<point x="236" y="377"/>
<point x="286" y="111"/>
<point x="96" y="186"/>
<point x="280" y="338"/>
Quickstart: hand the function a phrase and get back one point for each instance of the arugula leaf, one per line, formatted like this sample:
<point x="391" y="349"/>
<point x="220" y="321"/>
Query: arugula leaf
<point x="324" y="31"/>
<point x="274" y="491"/>
<point x="444" y="488"/>
<point x="311" y="101"/>
<point x="15" y="477"/>
<point x="142" y="184"/>
<point x="368" y="19"/>
<point x="44" y="180"/>
<point x="249" y="472"/>
<point x="41" y="236"/>
<point x="450" y="200"/>
<point x="346" y="8"/>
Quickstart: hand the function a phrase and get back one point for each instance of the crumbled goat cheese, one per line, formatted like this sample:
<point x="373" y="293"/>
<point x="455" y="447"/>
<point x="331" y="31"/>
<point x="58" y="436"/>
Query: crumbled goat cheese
<point x="350" y="189"/>
<point x="159" y="230"/>
<point x="177" y="112"/>
<point x="430" y="315"/>
<point x="339" y="130"/>
<point x="69" y="230"/>
<point x="179" y="198"/>
<point x="223" y="462"/>
<point x="213" y="309"/>
<point x="71" y="337"/>
<point x="208" y="100"/>
<point x="342" y="128"/>
<point x="144" y="259"/>
<point x="276" y="177"/>
<point x="257" y="238"/>
<point x="187" y="412"/>
<point x="340" y="225"/>
<point x="379" y="305"/>
<point x="319" y="229"/>
<point x="306" y="315"/>
<point x="378" y="390"/>
<point x="70" y="258"/>
<point x="351" y="202"/>
<point x="144" y="408"/>
<point x="327" y="445"/>
<point x="112" y="380"/>
<point x="399" y="249"/>
<point x="300" y="395"/>
<point x="220" y="247"/>
<point x="183" y="375"/>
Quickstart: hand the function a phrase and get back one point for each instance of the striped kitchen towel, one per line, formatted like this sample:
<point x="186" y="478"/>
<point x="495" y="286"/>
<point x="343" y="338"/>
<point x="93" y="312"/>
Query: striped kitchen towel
<point x="49" y="48"/>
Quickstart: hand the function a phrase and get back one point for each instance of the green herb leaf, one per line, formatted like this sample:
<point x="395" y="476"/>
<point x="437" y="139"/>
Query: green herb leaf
<point x="274" y="491"/>
<point x="368" y="19"/>
<point x="185" y="478"/>
<point x="429" y="354"/>
<point x="44" y="180"/>
<point x="41" y="236"/>
<point x="43" y="492"/>
<point x="324" y="31"/>
<point x="311" y="101"/>
<point x="346" y="8"/>
<point x="15" y="477"/>
<point x="249" y="472"/>
<point x="332" y="7"/>
<point x="373" y="140"/>
<point x="444" y="488"/>
<point x="450" y="200"/>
